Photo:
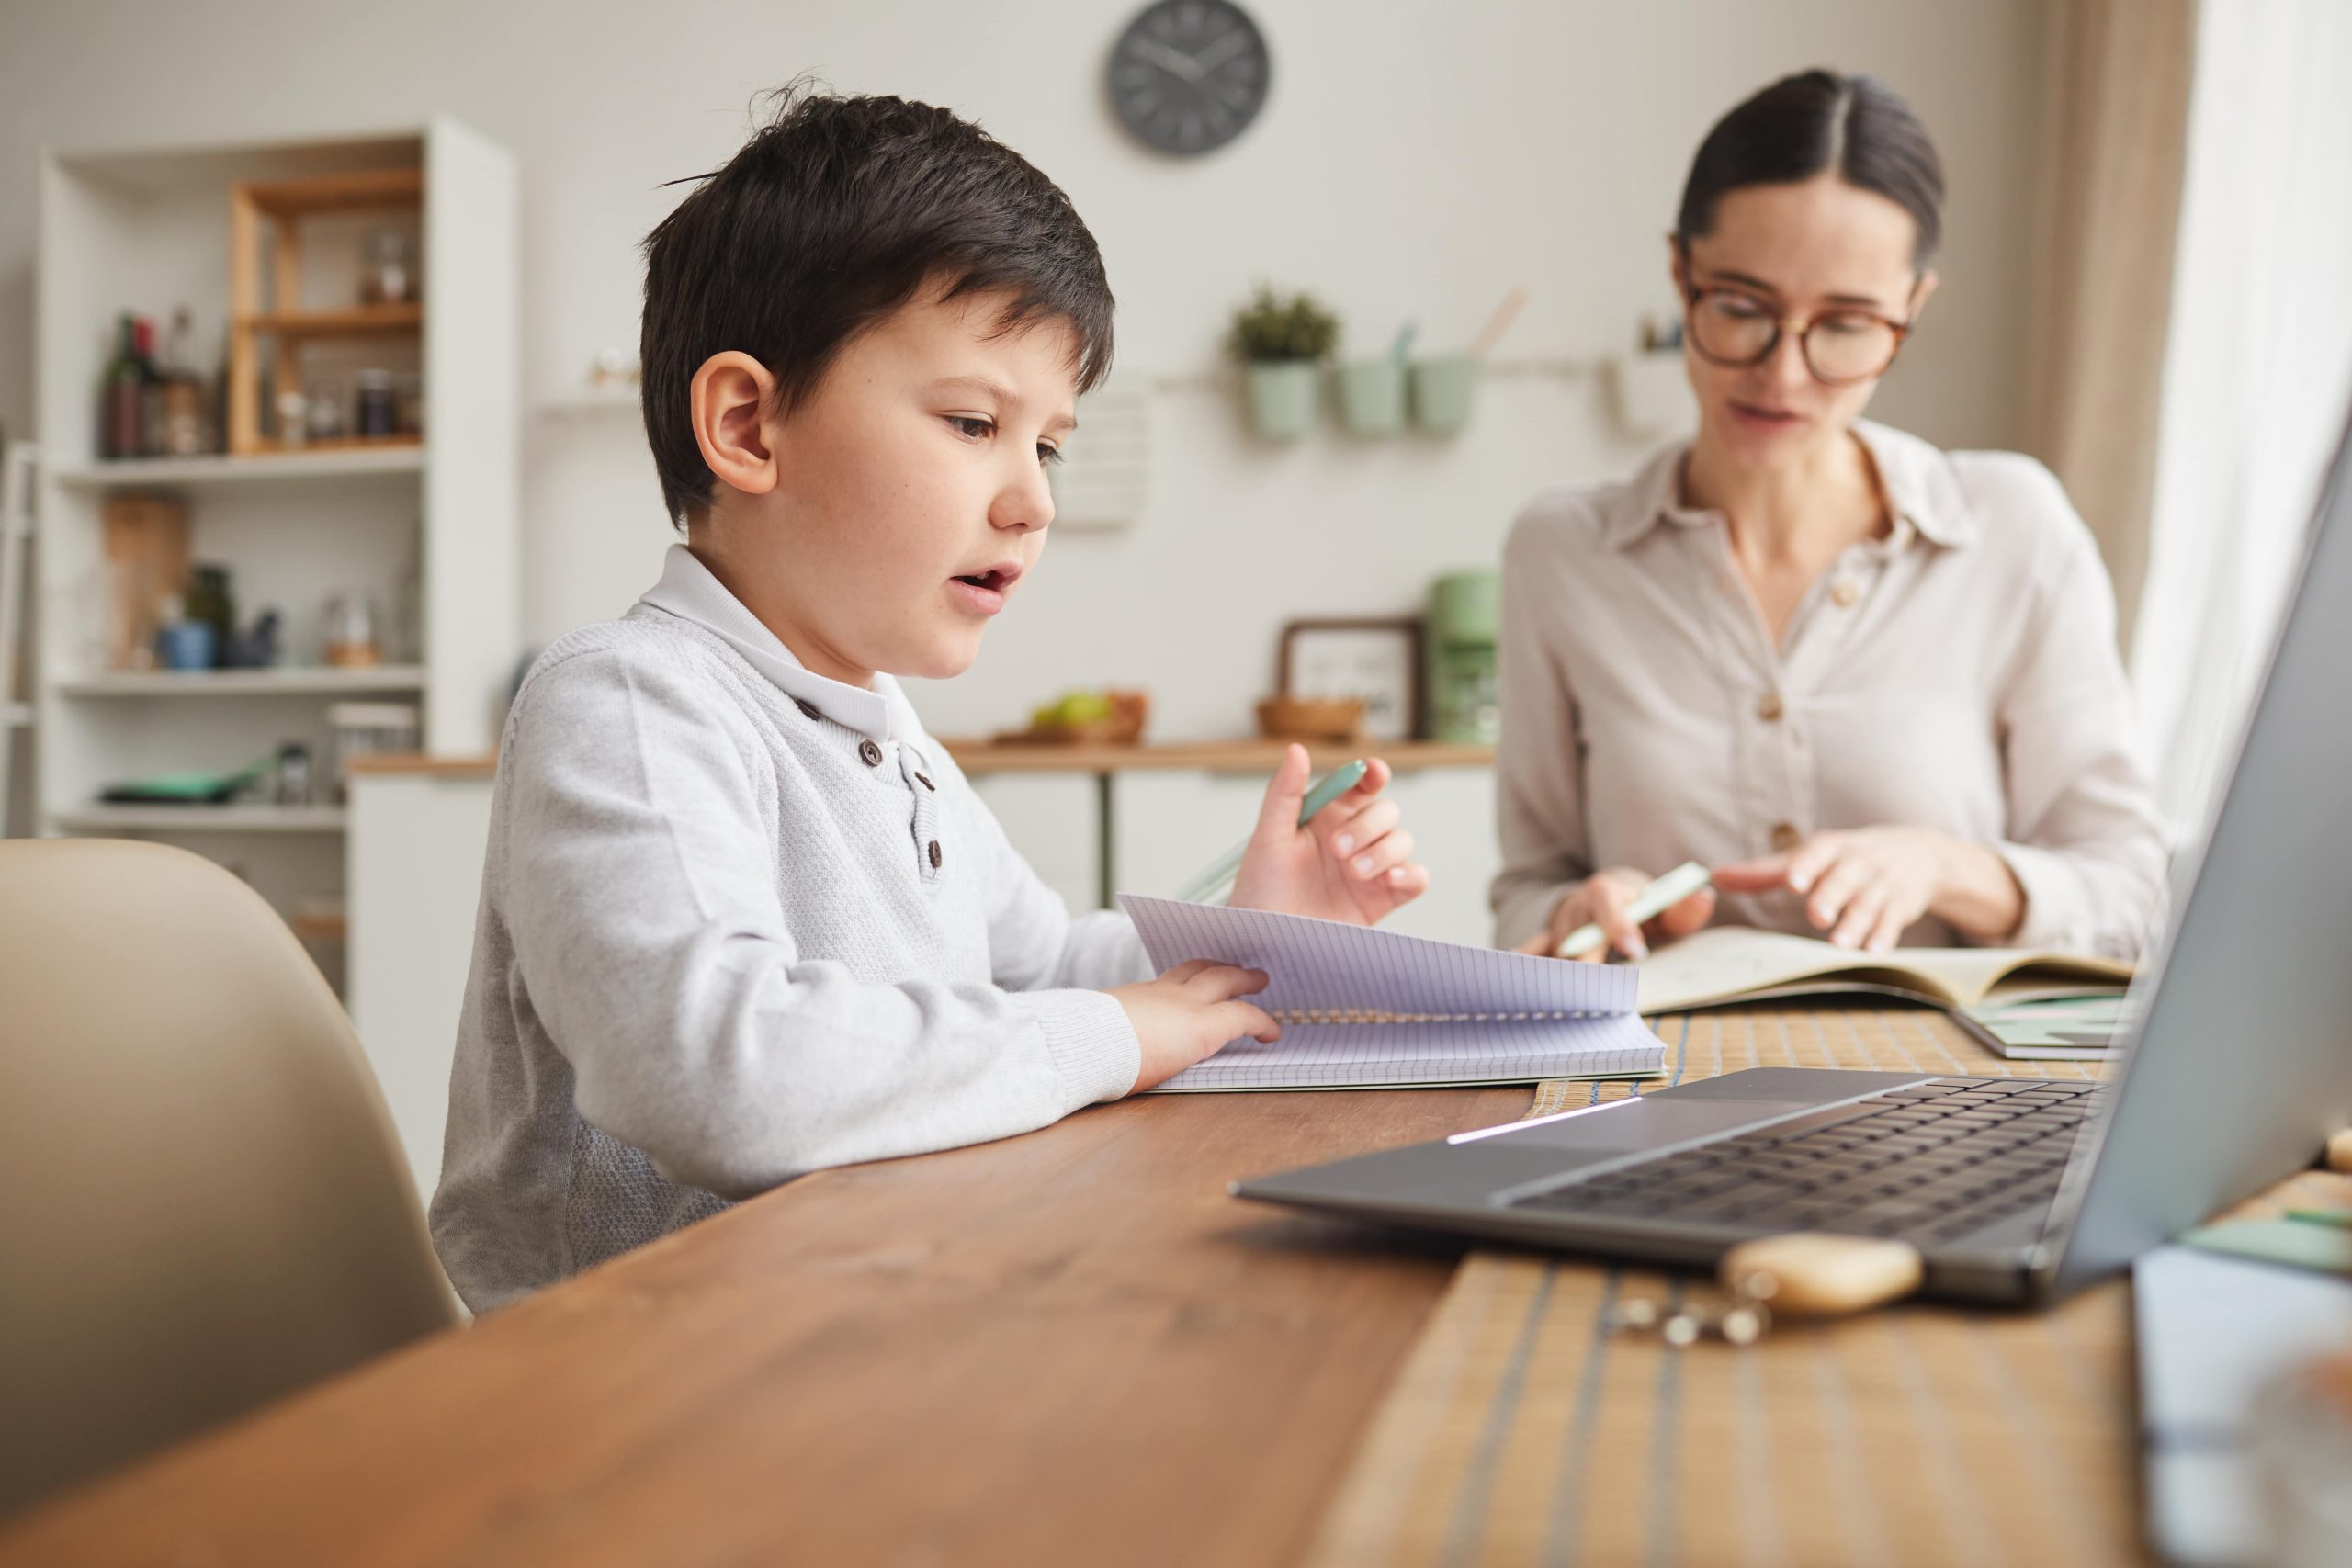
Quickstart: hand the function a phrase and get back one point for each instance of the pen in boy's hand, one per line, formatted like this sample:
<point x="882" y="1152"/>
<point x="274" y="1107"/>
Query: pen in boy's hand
<point x="1213" y="881"/>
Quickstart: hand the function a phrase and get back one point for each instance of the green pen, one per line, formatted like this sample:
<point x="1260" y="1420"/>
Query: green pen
<point x="2322" y="1216"/>
<point x="1213" y="881"/>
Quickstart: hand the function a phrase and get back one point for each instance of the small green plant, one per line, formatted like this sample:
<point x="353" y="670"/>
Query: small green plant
<point x="1273" y="328"/>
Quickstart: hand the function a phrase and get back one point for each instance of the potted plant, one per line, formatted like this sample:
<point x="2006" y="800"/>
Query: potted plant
<point x="1282" y="343"/>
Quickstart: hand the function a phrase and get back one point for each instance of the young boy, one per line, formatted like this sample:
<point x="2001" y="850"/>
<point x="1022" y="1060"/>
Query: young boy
<point x="740" y="917"/>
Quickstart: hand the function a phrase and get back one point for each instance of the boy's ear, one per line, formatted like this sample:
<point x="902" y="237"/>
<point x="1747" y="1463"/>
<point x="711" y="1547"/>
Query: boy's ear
<point x="727" y="402"/>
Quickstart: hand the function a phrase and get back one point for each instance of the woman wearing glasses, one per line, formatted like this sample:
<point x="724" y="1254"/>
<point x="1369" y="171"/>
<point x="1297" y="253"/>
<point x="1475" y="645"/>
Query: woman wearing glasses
<point x="1872" y="684"/>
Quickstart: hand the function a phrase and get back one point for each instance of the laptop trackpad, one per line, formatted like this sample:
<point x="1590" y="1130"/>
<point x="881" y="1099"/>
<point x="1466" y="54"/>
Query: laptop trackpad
<point x="1648" y="1123"/>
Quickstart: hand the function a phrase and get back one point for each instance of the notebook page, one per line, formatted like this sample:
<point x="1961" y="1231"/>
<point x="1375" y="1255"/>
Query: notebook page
<point x="1322" y="965"/>
<point x="1335" y="1055"/>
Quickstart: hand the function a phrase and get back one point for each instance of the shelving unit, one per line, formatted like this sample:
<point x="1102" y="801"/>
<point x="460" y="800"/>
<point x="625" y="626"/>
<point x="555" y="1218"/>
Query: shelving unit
<point x="427" y="528"/>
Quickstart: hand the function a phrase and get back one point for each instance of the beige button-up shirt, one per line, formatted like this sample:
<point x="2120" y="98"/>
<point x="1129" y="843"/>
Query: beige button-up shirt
<point x="1959" y="673"/>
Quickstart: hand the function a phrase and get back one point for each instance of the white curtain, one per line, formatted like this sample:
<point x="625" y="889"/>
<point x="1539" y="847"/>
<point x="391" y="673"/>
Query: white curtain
<point x="2257" y="372"/>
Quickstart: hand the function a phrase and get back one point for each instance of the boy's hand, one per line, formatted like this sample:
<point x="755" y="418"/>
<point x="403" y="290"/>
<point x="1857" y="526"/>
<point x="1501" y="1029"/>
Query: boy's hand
<point x="1188" y="1012"/>
<point x="1353" y="862"/>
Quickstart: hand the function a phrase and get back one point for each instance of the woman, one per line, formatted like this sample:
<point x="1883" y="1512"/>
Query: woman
<point x="1872" y="684"/>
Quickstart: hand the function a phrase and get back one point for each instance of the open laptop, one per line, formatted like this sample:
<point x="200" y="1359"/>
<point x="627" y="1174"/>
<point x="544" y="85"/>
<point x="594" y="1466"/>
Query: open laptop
<point x="2015" y="1190"/>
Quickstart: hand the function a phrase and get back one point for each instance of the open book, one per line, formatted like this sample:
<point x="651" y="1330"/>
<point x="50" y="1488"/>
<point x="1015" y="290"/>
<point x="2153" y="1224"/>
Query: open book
<point x="1367" y="1009"/>
<point x="1735" y="964"/>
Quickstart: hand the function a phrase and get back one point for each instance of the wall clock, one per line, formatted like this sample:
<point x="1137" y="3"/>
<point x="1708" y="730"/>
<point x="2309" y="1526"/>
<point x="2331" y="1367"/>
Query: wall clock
<point x="1187" y="77"/>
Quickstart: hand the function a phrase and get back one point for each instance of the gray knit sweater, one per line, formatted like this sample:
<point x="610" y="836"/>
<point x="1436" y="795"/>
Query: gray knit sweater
<point x="725" y="938"/>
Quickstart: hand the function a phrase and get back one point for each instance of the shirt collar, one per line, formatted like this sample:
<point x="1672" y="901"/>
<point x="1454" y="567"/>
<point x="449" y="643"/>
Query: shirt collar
<point x="691" y="591"/>
<point x="1920" y="488"/>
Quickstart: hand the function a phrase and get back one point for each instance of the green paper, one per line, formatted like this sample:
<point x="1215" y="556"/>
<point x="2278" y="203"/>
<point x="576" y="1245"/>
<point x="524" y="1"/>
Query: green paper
<point x="2293" y="1243"/>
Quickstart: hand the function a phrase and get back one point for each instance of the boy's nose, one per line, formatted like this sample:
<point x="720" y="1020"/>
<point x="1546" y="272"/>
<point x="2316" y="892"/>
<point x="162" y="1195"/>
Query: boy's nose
<point x="1026" y="504"/>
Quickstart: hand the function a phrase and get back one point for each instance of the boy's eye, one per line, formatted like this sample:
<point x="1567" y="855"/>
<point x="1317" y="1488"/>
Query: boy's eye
<point x="971" y="426"/>
<point x="1048" y="454"/>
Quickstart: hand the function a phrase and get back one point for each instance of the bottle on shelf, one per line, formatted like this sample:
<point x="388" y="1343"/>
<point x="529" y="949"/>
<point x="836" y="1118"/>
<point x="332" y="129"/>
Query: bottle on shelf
<point x="151" y="392"/>
<point x="121" y="403"/>
<point x="187" y="428"/>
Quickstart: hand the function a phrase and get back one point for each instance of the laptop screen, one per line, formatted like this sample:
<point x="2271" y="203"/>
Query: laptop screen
<point x="2243" y="1063"/>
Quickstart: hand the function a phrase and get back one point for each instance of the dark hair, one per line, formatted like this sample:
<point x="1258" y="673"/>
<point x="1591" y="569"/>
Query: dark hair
<point x="1814" y="120"/>
<point x="837" y="212"/>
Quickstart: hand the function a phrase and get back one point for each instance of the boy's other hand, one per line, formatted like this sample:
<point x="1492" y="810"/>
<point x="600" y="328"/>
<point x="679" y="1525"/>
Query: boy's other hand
<point x="1190" y="1012"/>
<point x="1353" y="862"/>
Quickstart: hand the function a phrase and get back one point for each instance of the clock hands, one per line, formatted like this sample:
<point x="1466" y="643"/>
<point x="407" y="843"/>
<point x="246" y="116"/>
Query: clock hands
<point x="1173" y="61"/>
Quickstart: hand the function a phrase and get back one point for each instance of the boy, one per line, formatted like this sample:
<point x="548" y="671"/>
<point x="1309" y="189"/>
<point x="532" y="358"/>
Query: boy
<point x="740" y="917"/>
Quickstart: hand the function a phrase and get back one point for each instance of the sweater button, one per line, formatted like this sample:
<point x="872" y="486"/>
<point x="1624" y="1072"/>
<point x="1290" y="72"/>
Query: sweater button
<point x="935" y="855"/>
<point x="1785" y="836"/>
<point x="1770" y="709"/>
<point x="925" y="782"/>
<point x="870" y="753"/>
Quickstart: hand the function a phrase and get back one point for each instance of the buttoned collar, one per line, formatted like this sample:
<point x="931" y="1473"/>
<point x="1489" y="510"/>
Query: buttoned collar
<point x="689" y="591"/>
<point x="1921" y="489"/>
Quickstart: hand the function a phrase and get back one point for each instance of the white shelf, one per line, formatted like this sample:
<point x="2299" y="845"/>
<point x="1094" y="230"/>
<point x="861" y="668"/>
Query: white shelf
<point x="321" y="679"/>
<point x="341" y="463"/>
<point x="197" y="818"/>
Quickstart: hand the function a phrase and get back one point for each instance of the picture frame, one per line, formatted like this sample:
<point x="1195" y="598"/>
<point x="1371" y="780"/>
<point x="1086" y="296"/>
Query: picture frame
<point x="1374" y="657"/>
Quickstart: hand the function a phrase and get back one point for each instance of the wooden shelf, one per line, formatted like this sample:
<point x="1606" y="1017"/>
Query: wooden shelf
<point x="322" y="680"/>
<point x="349" y="321"/>
<point x="1204" y="756"/>
<point x="316" y="460"/>
<point x="359" y="190"/>
<point x="247" y="818"/>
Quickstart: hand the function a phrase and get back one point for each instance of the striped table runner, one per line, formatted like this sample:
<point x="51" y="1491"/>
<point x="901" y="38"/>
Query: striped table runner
<point x="1520" y="1432"/>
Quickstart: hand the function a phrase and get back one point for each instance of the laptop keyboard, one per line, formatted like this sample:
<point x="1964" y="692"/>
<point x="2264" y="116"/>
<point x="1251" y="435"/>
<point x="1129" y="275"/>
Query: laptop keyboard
<point x="1929" y="1163"/>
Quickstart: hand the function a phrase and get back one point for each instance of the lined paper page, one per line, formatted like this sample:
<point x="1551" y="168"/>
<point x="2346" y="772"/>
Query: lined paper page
<point x="1535" y="1017"/>
<point x="1322" y="964"/>
<point x="1333" y="1056"/>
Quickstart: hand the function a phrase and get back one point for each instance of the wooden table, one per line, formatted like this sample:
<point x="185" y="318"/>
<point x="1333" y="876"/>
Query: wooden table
<point x="1070" y="1347"/>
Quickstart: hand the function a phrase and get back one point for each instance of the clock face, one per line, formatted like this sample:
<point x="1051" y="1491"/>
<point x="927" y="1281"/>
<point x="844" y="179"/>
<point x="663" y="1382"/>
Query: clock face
<point x="1189" y="75"/>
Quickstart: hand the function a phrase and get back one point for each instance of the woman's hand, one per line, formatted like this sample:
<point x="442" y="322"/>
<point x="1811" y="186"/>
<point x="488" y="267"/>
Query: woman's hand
<point x="1353" y="862"/>
<point x="1602" y="899"/>
<point x="1866" y="886"/>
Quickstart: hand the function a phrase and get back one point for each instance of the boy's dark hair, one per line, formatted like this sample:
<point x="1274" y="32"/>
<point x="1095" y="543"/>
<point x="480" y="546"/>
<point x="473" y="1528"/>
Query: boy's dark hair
<point x="1856" y="127"/>
<point x="837" y="212"/>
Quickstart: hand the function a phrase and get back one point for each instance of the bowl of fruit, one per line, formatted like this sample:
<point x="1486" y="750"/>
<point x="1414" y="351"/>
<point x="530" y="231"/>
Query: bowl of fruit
<point x="1108" y="716"/>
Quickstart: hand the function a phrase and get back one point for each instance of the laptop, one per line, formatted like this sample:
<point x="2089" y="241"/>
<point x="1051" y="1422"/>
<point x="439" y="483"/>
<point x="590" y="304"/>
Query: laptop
<point x="2013" y="1190"/>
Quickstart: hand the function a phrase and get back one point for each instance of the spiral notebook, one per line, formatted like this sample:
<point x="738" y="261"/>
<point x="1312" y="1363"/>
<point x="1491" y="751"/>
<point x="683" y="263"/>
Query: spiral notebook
<point x="1367" y="1009"/>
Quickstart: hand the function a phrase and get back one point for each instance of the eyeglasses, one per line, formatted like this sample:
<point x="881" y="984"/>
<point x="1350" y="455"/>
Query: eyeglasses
<point x="1734" y="328"/>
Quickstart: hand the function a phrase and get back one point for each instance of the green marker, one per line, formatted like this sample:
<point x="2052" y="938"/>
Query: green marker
<point x="1211" y="883"/>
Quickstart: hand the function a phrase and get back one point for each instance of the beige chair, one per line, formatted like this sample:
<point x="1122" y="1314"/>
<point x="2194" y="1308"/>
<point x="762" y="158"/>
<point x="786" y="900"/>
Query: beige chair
<point x="202" y="1202"/>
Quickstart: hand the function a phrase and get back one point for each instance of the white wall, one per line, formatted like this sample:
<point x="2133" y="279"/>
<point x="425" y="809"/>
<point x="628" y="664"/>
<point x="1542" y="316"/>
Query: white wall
<point x="1417" y="159"/>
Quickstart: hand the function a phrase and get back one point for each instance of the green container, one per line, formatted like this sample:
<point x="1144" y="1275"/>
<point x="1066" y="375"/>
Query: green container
<point x="1281" y="397"/>
<point x="1372" y="397"/>
<point x="1465" y="623"/>
<point x="1443" y="389"/>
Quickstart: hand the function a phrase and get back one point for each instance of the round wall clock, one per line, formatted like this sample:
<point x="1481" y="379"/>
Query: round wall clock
<point x="1187" y="77"/>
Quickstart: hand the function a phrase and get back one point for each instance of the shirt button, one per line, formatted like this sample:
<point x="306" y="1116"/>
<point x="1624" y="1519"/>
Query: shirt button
<point x="1770" y="709"/>
<point x="1844" y="593"/>
<point x="925" y="782"/>
<point x="935" y="855"/>
<point x="808" y="709"/>
<point x="1785" y="836"/>
<point x="870" y="753"/>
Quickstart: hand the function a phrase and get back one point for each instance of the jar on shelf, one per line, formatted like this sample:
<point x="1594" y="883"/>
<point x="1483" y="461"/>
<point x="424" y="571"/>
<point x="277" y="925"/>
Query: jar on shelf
<point x="389" y="275"/>
<point x="369" y="730"/>
<point x="352" y="631"/>
<point x="408" y="405"/>
<point x="322" y="412"/>
<point x="372" y="411"/>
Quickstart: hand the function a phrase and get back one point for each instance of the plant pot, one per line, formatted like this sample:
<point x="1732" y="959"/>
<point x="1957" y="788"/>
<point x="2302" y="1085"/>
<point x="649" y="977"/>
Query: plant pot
<point x="1442" y="392"/>
<point x="1372" y="397"/>
<point x="1281" y="397"/>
